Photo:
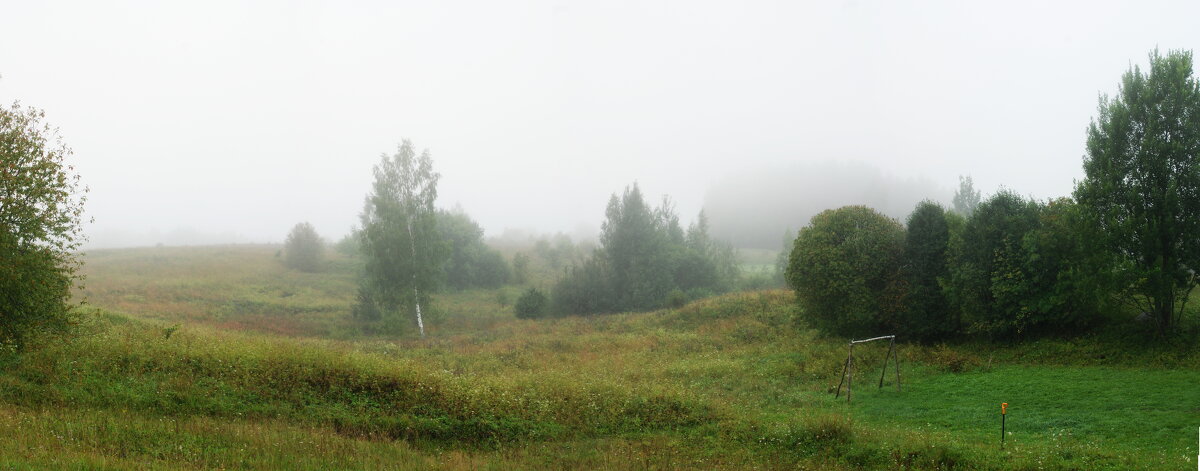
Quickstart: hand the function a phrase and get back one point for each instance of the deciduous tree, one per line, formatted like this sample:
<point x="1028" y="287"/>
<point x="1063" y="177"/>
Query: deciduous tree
<point x="1142" y="183"/>
<point x="966" y="197"/>
<point x="844" y="267"/>
<point x="927" y="314"/>
<point x="403" y="250"/>
<point x="41" y="212"/>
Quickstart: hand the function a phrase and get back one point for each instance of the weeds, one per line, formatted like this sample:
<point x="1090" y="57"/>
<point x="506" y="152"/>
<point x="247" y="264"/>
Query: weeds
<point x="176" y="380"/>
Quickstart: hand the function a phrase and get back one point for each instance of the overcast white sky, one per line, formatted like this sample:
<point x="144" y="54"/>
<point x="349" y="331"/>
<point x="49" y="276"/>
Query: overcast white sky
<point x="239" y="119"/>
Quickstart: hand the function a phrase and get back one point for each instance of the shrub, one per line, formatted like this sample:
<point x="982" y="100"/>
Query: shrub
<point x="584" y="289"/>
<point x="844" y="268"/>
<point x="304" y="250"/>
<point x="676" y="298"/>
<point x="531" y="305"/>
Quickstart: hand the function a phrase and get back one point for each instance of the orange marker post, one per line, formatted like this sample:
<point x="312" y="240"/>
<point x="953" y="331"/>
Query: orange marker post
<point x="1003" y="416"/>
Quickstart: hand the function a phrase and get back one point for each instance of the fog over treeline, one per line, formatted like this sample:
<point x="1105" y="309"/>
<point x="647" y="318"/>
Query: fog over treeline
<point x="229" y="122"/>
<point x="751" y="208"/>
<point x="754" y="208"/>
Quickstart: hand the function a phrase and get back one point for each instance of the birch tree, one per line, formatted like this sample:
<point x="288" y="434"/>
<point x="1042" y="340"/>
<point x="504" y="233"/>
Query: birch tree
<point x="400" y="242"/>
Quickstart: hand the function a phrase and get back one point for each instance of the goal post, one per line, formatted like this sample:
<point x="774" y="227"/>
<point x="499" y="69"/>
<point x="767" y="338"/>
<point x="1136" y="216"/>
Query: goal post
<point x="847" y="376"/>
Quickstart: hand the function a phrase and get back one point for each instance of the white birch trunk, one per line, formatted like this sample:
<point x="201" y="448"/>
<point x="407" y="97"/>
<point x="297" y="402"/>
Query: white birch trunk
<point x="416" y="294"/>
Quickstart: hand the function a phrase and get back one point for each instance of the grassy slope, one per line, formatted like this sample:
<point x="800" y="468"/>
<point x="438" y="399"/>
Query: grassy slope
<point x="723" y="383"/>
<point x="246" y="287"/>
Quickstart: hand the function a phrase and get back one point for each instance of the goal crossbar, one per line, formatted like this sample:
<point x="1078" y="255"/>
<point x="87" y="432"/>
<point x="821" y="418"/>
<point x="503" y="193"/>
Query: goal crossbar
<point x="852" y="342"/>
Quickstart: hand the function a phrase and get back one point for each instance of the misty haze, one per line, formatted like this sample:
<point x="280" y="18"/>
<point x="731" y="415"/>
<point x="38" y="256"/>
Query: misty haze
<point x="599" y="235"/>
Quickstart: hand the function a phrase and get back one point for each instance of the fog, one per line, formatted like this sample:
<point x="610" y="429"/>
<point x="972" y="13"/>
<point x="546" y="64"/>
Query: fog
<point x="231" y="121"/>
<point x="753" y="209"/>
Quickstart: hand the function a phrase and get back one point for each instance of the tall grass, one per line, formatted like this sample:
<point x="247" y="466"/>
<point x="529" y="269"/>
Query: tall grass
<point x="733" y="382"/>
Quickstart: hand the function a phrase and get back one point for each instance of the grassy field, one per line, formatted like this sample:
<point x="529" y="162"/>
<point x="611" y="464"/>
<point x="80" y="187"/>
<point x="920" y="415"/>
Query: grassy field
<point x="218" y="357"/>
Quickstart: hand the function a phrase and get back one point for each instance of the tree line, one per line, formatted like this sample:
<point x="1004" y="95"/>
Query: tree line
<point x="1006" y="266"/>
<point x="1125" y="242"/>
<point x="410" y="249"/>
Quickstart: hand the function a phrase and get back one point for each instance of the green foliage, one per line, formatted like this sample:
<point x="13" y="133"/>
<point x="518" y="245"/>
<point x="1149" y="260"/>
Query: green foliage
<point x="638" y="244"/>
<point x="41" y="207"/>
<point x="844" y="267"/>
<point x="403" y="250"/>
<point x="927" y="314"/>
<point x="1020" y="267"/>
<point x="133" y="367"/>
<point x="676" y="299"/>
<point x="472" y="264"/>
<point x="303" y="250"/>
<point x="1067" y="264"/>
<point x="1142" y="184"/>
<point x="531" y="305"/>
<point x="706" y="264"/>
<point x="987" y="274"/>
<point x="243" y="287"/>
<point x="726" y="382"/>
<point x="645" y="256"/>
<point x="585" y="288"/>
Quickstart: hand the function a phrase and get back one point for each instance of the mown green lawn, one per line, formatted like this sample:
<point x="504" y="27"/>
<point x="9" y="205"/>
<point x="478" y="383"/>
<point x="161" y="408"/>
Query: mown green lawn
<point x="1149" y="412"/>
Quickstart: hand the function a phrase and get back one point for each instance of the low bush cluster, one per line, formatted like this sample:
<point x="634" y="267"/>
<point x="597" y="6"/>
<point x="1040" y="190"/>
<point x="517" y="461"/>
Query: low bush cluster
<point x="646" y="261"/>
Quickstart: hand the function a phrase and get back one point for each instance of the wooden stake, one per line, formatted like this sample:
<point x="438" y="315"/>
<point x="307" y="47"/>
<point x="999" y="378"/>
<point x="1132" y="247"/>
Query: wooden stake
<point x="842" y="378"/>
<point x="850" y="372"/>
<point x="883" y="372"/>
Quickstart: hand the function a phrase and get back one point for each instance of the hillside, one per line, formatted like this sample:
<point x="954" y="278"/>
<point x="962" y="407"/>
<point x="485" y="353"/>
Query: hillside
<point x="217" y="357"/>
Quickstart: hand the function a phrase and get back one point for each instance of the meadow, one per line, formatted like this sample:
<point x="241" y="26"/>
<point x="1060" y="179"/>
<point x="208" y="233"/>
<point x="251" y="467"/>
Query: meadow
<point x="219" y="357"/>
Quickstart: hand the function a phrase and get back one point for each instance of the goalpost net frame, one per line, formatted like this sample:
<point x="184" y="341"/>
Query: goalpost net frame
<point x="847" y="376"/>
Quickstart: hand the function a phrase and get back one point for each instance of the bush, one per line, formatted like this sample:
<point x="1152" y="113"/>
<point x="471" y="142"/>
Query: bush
<point x="531" y="305"/>
<point x="585" y="289"/>
<point x="844" y="268"/>
<point x="676" y="298"/>
<point x="304" y="250"/>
